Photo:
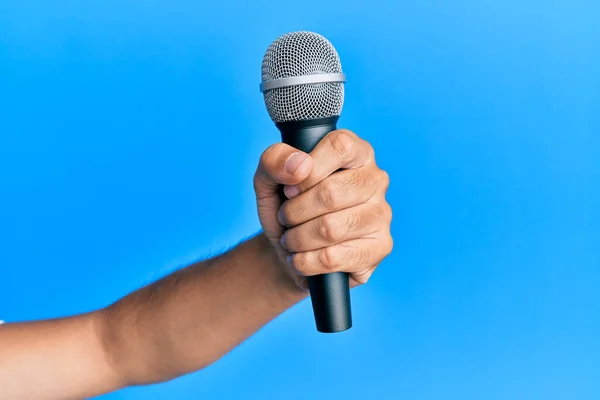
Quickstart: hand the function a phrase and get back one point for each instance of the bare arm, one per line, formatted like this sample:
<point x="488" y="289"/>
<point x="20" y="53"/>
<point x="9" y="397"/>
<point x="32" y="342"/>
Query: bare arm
<point x="177" y="325"/>
<point x="332" y="221"/>
<point x="193" y="317"/>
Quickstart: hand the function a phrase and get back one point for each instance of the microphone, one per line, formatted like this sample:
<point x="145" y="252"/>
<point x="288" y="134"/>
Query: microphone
<point x="303" y="89"/>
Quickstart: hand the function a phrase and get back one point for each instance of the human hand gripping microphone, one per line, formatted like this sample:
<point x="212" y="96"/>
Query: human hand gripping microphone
<point x="303" y="88"/>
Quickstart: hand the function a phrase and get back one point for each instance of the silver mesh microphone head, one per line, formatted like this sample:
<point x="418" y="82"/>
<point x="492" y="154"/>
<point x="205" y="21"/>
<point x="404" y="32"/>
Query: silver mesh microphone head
<point x="302" y="78"/>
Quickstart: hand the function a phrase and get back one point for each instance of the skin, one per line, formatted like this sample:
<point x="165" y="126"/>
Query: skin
<point x="331" y="221"/>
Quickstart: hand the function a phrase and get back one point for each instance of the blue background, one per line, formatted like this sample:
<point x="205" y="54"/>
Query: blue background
<point x="129" y="134"/>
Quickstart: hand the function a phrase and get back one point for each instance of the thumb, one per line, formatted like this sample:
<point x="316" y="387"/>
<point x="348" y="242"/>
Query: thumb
<point x="280" y="164"/>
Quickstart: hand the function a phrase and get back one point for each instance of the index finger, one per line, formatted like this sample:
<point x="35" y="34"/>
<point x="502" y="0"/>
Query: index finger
<point x="340" y="149"/>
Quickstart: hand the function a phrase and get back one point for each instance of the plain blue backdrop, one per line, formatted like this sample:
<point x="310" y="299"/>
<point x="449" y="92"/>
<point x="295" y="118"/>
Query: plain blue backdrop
<point x="129" y="134"/>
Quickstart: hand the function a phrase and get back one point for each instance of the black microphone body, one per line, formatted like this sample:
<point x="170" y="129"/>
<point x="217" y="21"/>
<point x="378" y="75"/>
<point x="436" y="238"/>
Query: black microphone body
<point x="330" y="293"/>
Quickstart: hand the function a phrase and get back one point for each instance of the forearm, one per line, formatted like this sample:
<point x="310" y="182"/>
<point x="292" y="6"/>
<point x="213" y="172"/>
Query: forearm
<point x="176" y="325"/>
<point x="191" y="318"/>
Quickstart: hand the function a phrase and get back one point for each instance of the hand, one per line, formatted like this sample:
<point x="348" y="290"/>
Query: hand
<point x="336" y="217"/>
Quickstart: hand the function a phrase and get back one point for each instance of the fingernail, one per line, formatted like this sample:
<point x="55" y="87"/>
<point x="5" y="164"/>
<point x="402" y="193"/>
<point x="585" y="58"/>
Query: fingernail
<point x="290" y="262"/>
<point x="280" y="217"/>
<point x="291" y="191"/>
<point x="295" y="162"/>
<point x="282" y="241"/>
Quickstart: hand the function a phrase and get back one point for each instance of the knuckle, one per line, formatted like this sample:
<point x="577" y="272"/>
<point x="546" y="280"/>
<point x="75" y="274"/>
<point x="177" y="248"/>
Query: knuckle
<point x="386" y="212"/>
<point x="369" y="150"/>
<point x="342" y="142"/>
<point x="329" y="194"/>
<point x="384" y="179"/>
<point x="328" y="258"/>
<point x="389" y="244"/>
<point x="267" y="157"/>
<point x="363" y="276"/>
<point x="328" y="229"/>
<point x="256" y="182"/>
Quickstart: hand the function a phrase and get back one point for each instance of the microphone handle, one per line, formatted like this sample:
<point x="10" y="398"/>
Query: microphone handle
<point x="329" y="293"/>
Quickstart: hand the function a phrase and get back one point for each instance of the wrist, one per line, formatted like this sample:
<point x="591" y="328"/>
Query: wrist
<point x="284" y="281"/>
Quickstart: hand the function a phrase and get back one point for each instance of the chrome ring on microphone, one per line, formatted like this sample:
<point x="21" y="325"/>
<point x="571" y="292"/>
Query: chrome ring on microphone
<point x="301" y="80"/>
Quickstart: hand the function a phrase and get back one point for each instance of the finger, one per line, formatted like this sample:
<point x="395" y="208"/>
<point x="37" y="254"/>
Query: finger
<point x="361" y="277"/>
<point x="337" y="227"/>
<point x="280" y="164"/>
<point x="341" y="149"/>
<point x="352" y="256"/>
<point x="341" y="190"/>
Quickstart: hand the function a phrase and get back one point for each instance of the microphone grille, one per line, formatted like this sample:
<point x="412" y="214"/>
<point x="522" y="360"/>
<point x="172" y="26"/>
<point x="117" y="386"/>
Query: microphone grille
<point x="298" y="54"/>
